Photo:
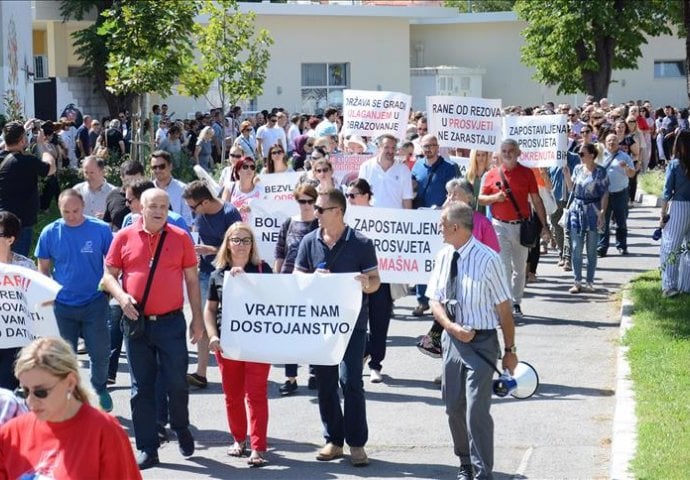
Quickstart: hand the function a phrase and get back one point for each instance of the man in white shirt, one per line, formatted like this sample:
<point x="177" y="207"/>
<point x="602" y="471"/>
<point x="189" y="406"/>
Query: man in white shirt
<point x="390" y="181"/>
<point x="270" y="134"/>
<point x="327" y="126"/>
<point x="161" y="166"/>
<point x="95" y="189"/>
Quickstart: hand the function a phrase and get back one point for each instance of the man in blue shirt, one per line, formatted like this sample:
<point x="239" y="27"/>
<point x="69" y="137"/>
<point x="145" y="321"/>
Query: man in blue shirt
<point x="71" y="250"/>
<point x="430" y="174"/>
<point x="620" y="169"/>
<point x="212" y="218"/>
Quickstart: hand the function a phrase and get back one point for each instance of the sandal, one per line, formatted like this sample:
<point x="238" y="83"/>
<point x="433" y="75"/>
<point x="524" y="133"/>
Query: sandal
<point x="237" y="450"/>
<point x="256" y="460"/>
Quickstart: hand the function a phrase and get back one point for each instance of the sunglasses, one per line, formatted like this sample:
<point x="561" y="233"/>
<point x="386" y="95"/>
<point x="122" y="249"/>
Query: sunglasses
<point x="352" y="195"/>
<point x="240" y="241"/>
<point x="585" y="131"/>
<point x="248" y="166"/>
<point x="321" y="210"/>
<point x="235" y="156"/>
<point x="40" y="393"/>
<point x="277" y="152"/>
<point x="128" y="201"/>
<point x="309" y="145"/>
<point x="304" y="201"/>
<point x="160" y="166"/>
<point x="322" y="170"/>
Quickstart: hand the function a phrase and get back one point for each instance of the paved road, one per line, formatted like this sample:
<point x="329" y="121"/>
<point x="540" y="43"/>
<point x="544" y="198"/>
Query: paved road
<point x="562" y="432"/>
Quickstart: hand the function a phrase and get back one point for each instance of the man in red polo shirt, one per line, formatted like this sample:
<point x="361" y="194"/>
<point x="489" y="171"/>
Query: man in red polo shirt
<point x="505" y="218"/>
<point x="163" y="342"/>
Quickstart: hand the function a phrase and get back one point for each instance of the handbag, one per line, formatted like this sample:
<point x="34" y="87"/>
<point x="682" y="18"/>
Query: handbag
<point x="134" y="329"/>
<point x="530" y="227"/>
<point x="563" y="221"/>
<point x="548" y="199"/>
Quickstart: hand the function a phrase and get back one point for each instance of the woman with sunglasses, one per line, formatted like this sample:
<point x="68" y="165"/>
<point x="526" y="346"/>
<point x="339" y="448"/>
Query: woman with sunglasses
<point x="245" y="384"/>
<point x="10" y="227"/>
<point x="245" y="140"/>
<point x="291" y="234"/>
<point x="589" y="185"/>
<point x="321" y="173"/>
<point x="276" y="161"/>
<point x="225" y="178"/>
<point x="304" y="146"/>
<point x="62" y="436"/>
<point x="244" y="186"/>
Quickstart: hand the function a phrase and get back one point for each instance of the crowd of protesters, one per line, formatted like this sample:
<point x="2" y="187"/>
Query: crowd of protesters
<point x="579" y="203"/>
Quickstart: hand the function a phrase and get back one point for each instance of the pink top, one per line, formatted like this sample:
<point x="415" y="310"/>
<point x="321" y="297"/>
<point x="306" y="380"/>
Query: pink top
<point x="484" y="231"/>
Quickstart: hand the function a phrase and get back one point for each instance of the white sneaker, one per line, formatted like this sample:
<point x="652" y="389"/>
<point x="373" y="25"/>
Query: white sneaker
<point x="375" y="376"/>
<point x="670" y="293"/>
<point x="589" y="287"/>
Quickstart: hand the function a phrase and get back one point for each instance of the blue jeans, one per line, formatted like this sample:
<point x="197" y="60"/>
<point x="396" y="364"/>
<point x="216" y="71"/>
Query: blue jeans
<point x="589" y="238"/>
<point x="7" y="358"/>
<point x="380" y="312"/>
<point x="618" y="207"/>
<point x="161" y="352"/>
<point x="352" y="426"/>
<point x="23" y="243"/>
<point x="420" y="293"/>
<point x="90" y="322"/>
<point x="115" y="339"/>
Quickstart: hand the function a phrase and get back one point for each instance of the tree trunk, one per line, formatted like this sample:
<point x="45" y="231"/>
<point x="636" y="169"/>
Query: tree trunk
<point x="686" y="24"/>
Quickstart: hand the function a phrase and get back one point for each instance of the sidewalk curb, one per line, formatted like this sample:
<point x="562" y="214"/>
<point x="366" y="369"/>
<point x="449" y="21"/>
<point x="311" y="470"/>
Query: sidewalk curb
<point x="646" y="199"/>
<point x="624" y="441"/>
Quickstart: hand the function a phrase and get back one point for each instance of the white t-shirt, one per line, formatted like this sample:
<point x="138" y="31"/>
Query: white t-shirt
<point x="269" y="137"/>
<point x="293" y="133"/>
<point x="390" y="187"/>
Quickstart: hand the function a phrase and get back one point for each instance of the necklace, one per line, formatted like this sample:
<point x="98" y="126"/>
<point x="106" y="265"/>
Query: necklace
<point x="153" y="242"/>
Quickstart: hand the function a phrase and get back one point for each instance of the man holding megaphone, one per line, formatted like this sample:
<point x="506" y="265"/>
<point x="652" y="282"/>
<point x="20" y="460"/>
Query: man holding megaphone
<point x="470" y="298"/>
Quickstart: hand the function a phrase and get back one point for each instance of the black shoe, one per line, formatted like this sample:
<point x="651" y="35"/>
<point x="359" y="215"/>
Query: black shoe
<point x="429" y="346"/>
<point x="195" y="380"/>
<point x="517" y="311"/>
<point x="311" y="384"/>
<point x="162" y="433"/>
<point x="288" y="388"/>
<point x="185" y="442"/>
<point x="601" y="253"/>
<point x="111" y="381"/>
<point x="623" y="251"/>
<point x="146" y="460"/>
<point x="465" y="473"/>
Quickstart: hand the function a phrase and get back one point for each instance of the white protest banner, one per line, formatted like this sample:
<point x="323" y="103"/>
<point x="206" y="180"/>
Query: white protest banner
<point x="465" y="122"/>
<point x="406" y="241"/>
<point x="370" y="113"/>
<point x="279" y="186"/>
<point x="543" y="139"/>
<point x="266" y="217"/>
<point x="23" y="313"/>
<point x="299" y="318"/>
<point x="463" y="164"/>
<point x="346" y="166"/>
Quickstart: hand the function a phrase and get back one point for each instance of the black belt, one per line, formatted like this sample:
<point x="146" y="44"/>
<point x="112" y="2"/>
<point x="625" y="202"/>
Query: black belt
<point x="509" y="222"/>
<point x="163" y="316"/>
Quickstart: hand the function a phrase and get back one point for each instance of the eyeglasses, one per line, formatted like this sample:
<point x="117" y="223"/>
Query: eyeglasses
<point x="240" y="241"/>
<point x="41" y="393"/>
<point x="322" y="170"/>
<point x="248" y="166"/>
<point x="305" y="201"/>
<point x="160" y="166"/>
<point x="235" y="156"/>
<point x="571" y="114"/>
<point x="277" y="152"/>
<point x="273" y="119"/>
<point x="353" y="195"/>
<point x="430" y="146"/>
<point x="321" y="210"/>
<point x="194" y="207"/>
<point x="585" y="131"/>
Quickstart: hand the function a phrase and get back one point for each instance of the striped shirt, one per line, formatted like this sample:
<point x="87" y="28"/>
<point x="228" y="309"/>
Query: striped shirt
<point x="481" y="284"/>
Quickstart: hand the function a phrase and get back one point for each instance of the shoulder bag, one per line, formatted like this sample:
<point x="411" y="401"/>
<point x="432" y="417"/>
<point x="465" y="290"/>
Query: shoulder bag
<point x="134" y="329"/>
<point x="530" y="227"/>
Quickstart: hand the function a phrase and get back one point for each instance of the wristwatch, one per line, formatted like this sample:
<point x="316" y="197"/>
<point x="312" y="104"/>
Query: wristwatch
<point x="511" y="349"/>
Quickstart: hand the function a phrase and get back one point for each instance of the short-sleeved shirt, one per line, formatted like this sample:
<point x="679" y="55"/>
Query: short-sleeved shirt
<point x="353" y="252"/>
<point x="522" y="184"/>
<point x="437" y="175"/>
<point x="19" y="175"/>
<point x="94" y="200"/>
<point x="83" y="137"/>
<point x="115" y="209"/>
<point x="291" y="234"/>
<point x="77" y="255"/>
<point x="132" y="251"/>
<point x="618" y="179"/>
<point x="390" y="186"/>
<point x="481" y="284"/>
<point x="212" y="228"/>
<point x="215" y="285"/>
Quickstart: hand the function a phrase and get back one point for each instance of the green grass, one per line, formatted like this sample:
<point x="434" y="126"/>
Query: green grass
<point x="659" y="356"/>
<point x="652" y="182"/>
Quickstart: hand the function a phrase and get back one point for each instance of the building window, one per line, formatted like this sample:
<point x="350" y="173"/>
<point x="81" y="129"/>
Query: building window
<point x="323" y="85"/>
<point x="669" y="69"/>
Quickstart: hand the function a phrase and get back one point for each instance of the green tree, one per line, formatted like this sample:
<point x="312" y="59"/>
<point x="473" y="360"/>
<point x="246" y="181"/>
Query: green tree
<point x="91" y="49"/>
<point x="470" y="6"/>
<point x="233" y="55"/>
<point x="576" y="44"/>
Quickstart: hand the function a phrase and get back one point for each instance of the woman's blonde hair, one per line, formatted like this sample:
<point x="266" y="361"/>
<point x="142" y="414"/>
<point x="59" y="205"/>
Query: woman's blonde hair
<point x="56" y="357"/>
<point x="473" y="168"/>
<point x="224" y="256"/>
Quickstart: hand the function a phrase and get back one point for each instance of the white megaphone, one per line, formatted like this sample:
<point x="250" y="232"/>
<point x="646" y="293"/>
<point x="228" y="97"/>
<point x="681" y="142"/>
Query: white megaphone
<point x="522" y="384"/>
<point x="203" y="175"/>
